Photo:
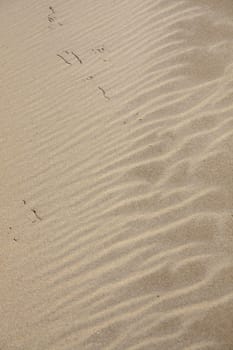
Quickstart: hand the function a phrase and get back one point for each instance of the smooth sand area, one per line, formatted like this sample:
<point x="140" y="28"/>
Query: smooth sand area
<point x="116" y="156"/>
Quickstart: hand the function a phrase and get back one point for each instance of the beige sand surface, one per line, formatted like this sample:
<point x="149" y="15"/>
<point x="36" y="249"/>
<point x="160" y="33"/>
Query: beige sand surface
<point x="116" y="175"/>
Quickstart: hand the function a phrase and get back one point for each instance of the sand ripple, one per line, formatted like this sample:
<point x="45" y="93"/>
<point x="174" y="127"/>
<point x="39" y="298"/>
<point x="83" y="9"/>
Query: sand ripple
<point x="117" y="184"/>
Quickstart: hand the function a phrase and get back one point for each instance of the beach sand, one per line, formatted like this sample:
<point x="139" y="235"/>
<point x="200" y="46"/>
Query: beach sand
<point x="116" y="139"/>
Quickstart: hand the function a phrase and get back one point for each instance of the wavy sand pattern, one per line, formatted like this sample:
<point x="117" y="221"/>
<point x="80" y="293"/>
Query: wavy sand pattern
<point x="116" y="175"/>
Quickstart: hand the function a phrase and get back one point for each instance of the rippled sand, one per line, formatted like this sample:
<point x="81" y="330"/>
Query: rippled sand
<point x="116" y="175"/>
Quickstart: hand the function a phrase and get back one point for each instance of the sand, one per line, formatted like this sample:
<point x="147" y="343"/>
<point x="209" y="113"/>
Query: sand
<point x="116" y="175"/>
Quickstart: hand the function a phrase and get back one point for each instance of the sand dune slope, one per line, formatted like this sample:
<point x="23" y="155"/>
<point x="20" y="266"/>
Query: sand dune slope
<point x="116" y="175"/>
